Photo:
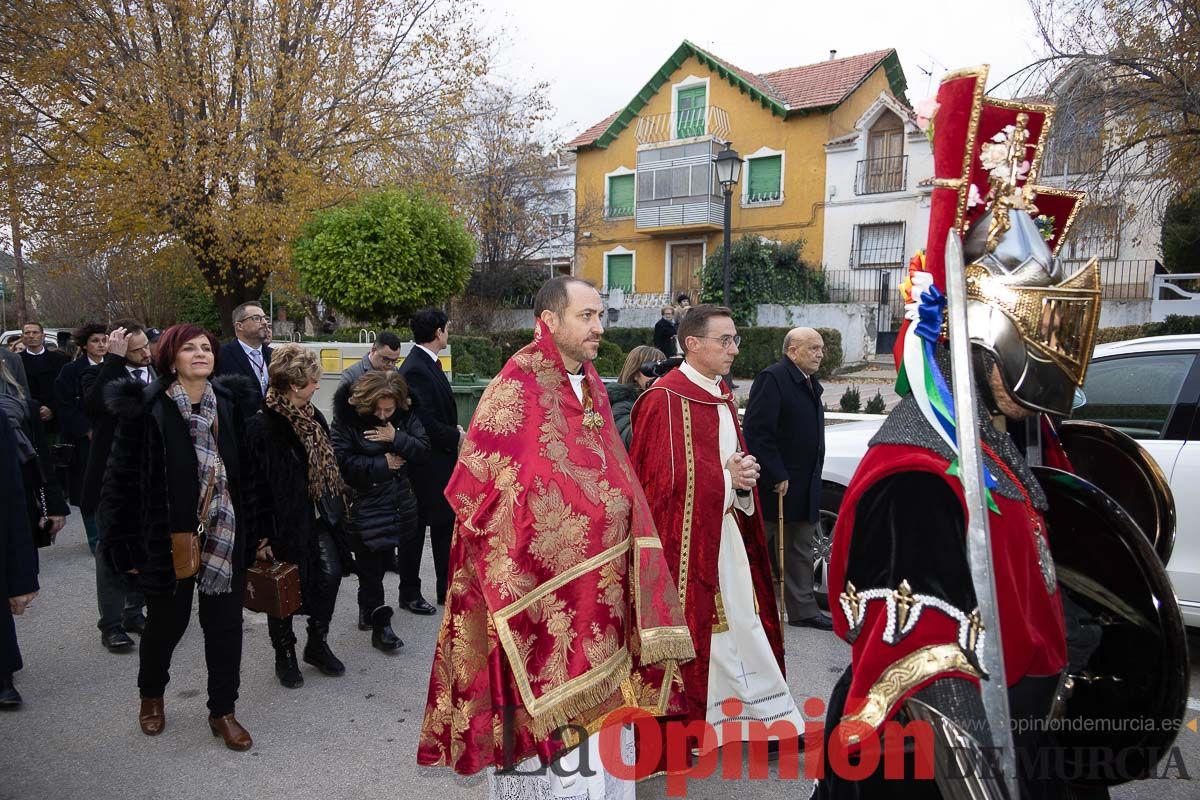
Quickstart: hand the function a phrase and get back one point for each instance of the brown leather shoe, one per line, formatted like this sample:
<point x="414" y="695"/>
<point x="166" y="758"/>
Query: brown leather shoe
<point x="236" y="737"/>
<point x="152" y="718"/>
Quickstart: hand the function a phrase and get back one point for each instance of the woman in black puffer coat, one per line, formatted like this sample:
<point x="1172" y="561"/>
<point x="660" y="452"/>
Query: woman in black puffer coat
<point x="375" y="436"/>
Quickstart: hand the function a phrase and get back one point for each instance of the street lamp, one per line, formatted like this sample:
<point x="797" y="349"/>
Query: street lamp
<point x="729" y="169"/>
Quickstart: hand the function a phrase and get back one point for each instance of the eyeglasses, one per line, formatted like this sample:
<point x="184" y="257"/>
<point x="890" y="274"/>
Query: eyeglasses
<point x="725" y="341"/>
<point x="254" y="318"/>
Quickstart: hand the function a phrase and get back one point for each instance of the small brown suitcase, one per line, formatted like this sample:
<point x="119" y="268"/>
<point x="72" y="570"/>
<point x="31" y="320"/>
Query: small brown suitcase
<point x="273" y="587"/>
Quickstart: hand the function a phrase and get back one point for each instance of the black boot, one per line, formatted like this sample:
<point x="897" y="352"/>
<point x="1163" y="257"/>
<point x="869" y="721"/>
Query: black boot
<point x="9" y="696"/>
<point x="317" y="652"/>
<point x="382" y="636"/>
<point x="364" y="620"/>
<point x="284" y="642"/>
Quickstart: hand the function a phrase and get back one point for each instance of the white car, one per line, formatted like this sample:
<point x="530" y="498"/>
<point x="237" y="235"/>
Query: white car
<point x="1147" y="388"/>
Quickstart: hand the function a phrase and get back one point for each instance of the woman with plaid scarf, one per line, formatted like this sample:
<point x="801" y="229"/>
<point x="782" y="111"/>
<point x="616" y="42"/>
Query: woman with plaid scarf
<point x="177" y="463"/>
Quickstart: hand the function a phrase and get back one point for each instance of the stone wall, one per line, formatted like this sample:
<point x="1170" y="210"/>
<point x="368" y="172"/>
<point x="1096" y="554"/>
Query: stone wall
<point x="856" y="321"/>
<point x="1118" y="313"/>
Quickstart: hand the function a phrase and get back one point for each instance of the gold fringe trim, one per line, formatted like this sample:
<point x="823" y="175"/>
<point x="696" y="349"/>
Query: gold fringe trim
<point x="570" y="709"/>
<point x="663" y="644"/>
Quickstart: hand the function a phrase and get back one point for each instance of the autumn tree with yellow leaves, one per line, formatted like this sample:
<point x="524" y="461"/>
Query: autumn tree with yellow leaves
<point x="222" y="125"/>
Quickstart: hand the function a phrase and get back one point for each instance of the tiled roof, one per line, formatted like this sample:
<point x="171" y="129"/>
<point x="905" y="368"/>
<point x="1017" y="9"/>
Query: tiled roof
<point x="756" y="81"/>
<point x="823" y="84"/>
<point x="784" y="92"/>
<point x="593" y="133"/>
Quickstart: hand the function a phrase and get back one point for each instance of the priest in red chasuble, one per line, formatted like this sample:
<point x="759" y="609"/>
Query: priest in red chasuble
<point x="560" y="608"/>
<point x="689" y="452"/>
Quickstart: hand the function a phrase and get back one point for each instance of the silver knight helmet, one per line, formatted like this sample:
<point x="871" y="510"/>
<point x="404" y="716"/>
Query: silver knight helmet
<point x="1036" y="324"/>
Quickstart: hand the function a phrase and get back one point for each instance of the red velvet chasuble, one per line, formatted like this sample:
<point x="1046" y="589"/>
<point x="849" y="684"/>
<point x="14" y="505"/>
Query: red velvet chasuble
<point x="884" y="673"/>
<point x="560" y="607"/>
<point x="675" y="453"/>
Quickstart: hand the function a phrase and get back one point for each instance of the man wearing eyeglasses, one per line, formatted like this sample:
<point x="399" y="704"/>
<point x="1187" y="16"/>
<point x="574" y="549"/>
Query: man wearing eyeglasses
<point x="384" y="354"/>
<point x="689" y="453"/>
<point x="127" y="355"/>
<point x="248" y="353"/>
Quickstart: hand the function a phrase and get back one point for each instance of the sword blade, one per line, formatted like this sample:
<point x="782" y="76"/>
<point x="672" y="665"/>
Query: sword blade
<point x="993" y="686"/>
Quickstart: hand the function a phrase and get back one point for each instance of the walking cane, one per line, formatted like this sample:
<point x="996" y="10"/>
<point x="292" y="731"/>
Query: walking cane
<point x="780" y="538"/>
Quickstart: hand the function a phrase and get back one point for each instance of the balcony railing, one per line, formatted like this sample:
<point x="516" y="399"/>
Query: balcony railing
<point x="617" y="212"/>
<point x="878" y="175"/>
<point x="706" y="212"/>
<point x="706" y="120"/>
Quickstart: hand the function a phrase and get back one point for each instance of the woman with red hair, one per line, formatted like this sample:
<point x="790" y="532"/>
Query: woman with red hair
<point x="176" y="466"/>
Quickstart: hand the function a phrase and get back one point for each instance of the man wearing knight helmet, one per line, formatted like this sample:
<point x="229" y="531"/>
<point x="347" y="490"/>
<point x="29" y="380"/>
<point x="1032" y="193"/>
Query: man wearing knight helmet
<point x="905" y="586"/>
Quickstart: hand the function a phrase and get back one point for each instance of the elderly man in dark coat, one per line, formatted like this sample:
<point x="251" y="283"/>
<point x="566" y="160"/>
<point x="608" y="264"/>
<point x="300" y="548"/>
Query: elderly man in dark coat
<point x="785" y="431"/>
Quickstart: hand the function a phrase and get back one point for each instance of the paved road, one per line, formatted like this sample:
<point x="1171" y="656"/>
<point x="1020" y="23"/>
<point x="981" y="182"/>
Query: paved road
<point x="349" y="737"/>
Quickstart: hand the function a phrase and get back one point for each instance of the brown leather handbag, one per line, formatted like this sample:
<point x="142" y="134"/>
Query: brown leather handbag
<point x="273" y="588"/>
<point x="185" y="545"/>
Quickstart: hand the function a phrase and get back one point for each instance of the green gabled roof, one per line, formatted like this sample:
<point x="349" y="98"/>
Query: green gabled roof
<point x="790" y="92"/>
<point x="686" y="50"/>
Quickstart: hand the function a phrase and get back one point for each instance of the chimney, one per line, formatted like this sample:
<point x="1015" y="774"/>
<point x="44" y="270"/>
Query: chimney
<point x="832" y="55"/>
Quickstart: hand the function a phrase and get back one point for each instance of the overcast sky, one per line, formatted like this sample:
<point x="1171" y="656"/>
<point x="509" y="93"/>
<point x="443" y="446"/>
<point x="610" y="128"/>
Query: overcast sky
<point x="596" y="55"/>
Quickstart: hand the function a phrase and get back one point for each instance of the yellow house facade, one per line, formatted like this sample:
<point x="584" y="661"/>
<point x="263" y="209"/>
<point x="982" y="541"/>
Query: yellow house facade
<point x="648" y="207"/>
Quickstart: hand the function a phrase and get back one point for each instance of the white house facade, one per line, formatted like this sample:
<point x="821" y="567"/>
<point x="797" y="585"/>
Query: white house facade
<point x="877" y="196"/>
<point x="876" y="205"/>
<point x="557" y="253"/>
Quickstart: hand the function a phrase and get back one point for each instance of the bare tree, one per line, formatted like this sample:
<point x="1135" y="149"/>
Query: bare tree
<point x="1125" y="75"/>
<point x="511" y="189"/>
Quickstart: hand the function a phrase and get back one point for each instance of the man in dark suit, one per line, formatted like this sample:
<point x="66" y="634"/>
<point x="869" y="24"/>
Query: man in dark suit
<point x="75" y="428"/>
<point x="785" y="431"/>
<point x="664" y="332"/>
<point x="42" y="366"/>
<point x="436" y="409"/>
<point x="247" y="354"/>
<point x="127" y="356"/>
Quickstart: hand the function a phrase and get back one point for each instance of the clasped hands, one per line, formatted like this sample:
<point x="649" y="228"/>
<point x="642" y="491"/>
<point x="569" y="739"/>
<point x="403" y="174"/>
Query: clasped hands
<point x="744" y="471"/>
<point x="386" y="434"/>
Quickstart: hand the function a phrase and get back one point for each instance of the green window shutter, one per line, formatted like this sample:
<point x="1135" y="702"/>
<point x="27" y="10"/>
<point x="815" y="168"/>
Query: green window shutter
<point x="690" y="112"/>
<point x="620" y="272"/>
<point x="620" y="196"/>
<point x="765" y="174"/>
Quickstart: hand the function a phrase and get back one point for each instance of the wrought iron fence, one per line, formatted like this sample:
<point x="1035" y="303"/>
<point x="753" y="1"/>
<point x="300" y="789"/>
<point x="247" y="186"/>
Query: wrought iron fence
<point x="876" y="175"/>
<point x="872" y="286"/>
<point x="1119" y="280"/>
<point x="1124" y="280"/>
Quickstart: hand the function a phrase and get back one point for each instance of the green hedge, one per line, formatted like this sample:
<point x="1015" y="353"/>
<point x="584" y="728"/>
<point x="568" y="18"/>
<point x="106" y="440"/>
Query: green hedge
<point x="475" y="354"/>
<point x="1172" y="325"/>
<point x="609" y="360"/>
<point x="629" y="338"/>
<point x="759" y="349"/>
